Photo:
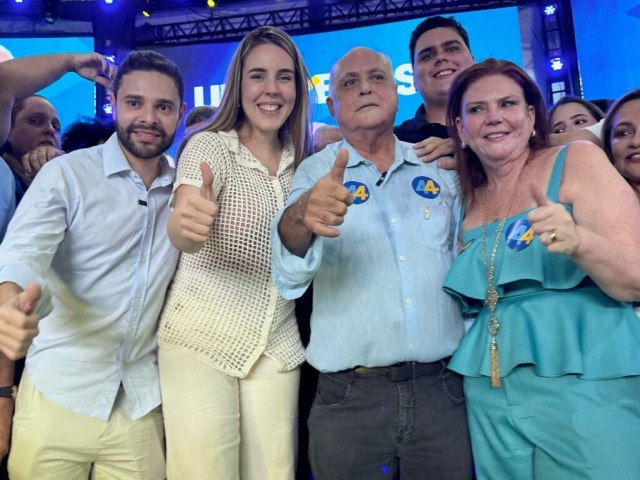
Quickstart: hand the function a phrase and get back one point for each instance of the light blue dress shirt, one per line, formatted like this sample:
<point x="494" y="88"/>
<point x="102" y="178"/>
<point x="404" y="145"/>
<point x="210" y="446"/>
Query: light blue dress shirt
<point x="377" y="288"/>
<point x="7" y="196"/>
<point x="105" y="261"/>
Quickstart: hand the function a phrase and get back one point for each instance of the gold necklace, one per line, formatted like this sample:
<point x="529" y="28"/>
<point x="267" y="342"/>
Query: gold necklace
<point x="492" y="296"/>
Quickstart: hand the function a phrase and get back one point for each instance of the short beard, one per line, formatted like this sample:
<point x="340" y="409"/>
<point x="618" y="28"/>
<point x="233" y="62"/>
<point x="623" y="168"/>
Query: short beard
<point x="142" y="150"/>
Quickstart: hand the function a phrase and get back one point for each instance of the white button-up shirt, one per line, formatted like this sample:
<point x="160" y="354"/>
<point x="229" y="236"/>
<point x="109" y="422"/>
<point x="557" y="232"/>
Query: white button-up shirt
<point x="91" y="233"/>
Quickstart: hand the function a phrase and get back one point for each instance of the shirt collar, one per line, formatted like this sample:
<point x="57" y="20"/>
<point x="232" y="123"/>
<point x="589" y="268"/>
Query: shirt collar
<point x="232" y="142"/>
<point x="230" y="139"/>
<point x="419" y="117"/>
<point x="421" y="124"/>
<point x="114" y="160"/>
<point x="403" y="152"/>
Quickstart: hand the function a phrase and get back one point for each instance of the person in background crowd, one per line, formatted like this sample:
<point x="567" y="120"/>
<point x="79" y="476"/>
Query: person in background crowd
<point x="381" y="330"/>
<point x="622" y="137"/>
<point x="622" y="142"/>
<point x="199" y="116"/>
<point x="323" y="135"/>
<point x="572" y="113"/>
<point x="552" y="361"/>
<point x="33" y="140"/>
<point x="439" y="50"/>
<point x="86" y="132"/>
<point x="226" y="335"/>
<point x="87" y="248"/>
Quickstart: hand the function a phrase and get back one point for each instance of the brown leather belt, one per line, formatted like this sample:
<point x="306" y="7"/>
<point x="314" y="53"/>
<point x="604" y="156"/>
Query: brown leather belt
<point x="401" y="372"/>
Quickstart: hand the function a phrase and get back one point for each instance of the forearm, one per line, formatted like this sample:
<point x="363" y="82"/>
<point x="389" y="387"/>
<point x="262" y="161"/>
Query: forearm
<point x="21" y="77"/>
<point x="614" y="268"/>
<point x="25" y="76"/>
<point x="294" y="234"/>
<point x="6" y="371"/>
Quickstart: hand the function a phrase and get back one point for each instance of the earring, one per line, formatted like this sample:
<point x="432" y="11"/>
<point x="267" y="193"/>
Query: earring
<point x="533" y="133"/>
<point x="463" y="145"/>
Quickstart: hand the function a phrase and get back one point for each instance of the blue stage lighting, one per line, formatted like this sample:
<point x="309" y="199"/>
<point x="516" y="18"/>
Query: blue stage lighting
<point x="108" y="2"/>
<point x="556" y="63"/>
<point x="550" y="9"/>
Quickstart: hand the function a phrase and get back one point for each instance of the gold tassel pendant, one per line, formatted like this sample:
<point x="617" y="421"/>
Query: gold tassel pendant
<point x="495" y="365"/>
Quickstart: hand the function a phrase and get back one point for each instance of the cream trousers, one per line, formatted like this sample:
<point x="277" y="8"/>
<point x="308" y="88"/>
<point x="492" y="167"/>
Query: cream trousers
<point x="50" y="442"/>
<point x="226" y="428"/>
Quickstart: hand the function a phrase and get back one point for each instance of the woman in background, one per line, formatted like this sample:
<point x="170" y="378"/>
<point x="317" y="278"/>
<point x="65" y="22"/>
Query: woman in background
<point x="572" y="113"/>
<point x="622" y="137"/>
<point x="549" y="255"/>
<point x="229" y="344"/>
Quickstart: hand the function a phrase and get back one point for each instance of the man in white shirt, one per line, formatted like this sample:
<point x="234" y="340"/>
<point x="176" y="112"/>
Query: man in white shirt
<point x="90" y="232"/>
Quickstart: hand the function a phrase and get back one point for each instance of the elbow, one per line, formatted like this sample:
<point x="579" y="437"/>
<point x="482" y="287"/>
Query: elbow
<point x="624" y="293"/>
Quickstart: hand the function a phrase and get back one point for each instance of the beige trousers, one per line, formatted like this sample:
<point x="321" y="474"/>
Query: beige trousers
<point x="226" y="428"/>
<point x="50" y="442"/>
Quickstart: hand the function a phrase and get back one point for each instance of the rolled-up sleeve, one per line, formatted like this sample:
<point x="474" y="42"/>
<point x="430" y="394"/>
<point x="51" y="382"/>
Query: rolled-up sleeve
<point x="291" y="274"/>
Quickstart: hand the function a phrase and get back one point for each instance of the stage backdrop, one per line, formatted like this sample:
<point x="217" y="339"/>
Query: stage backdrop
<point x="607" y="47"/>
<point x="72" y="95"/>
<point x="493" y="33"/>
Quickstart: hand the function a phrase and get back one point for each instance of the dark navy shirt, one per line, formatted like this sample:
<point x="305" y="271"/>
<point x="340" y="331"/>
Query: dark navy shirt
<point x="417" y="128"/>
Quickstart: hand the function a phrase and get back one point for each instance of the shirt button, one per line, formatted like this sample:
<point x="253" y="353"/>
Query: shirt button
<point x="412" y="347"/>
<point x="402" y="258"/>
<point x="393" y="220"/>
<point x="408" y="301"/>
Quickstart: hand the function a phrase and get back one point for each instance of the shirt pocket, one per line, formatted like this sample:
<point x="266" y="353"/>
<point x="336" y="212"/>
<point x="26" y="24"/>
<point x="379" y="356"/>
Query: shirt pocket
<point x="436" y="222"/>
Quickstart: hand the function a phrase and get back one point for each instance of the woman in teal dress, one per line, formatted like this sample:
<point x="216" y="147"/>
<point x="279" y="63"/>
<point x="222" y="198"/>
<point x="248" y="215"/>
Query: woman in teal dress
<point x="548" y="257"/>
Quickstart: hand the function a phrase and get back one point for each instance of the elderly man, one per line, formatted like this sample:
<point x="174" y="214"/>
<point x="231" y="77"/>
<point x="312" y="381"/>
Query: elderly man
<point x="91" y="232"/>
<point x="382" y="329"/>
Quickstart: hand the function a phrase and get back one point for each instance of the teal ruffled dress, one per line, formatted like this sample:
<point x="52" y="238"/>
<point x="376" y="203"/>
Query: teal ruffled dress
<point x="551" y="314"/>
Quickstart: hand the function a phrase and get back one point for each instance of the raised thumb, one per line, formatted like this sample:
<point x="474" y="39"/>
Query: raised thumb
<point x="207" y="180"/>
<point x="339" y="166"/>
<point x="28" y="299"/>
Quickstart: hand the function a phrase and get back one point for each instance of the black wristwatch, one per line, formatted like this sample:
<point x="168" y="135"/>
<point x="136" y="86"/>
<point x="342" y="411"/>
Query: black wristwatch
<point x="11" y="391"/>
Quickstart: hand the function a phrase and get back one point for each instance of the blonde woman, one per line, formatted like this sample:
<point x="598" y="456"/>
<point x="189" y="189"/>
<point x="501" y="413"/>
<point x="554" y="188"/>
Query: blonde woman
<point x="229" y="343"/>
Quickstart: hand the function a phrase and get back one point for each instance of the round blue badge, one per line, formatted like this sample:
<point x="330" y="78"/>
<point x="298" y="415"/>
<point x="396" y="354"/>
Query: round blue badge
<point x="519" y="235"/>
<point x="426" y="187"/>
<point x="359" y="191"/>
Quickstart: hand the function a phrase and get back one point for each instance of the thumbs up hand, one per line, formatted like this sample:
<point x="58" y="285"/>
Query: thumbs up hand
<point x="328" y="200"/>
<point x="198" y="211"/>
<point x="207" y="181"/>
<point x="18" y="324"/>
<point x="554" y="226"/>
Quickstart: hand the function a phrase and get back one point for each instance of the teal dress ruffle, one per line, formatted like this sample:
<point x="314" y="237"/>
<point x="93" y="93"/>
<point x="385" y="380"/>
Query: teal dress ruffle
<point x="551" y="313"/>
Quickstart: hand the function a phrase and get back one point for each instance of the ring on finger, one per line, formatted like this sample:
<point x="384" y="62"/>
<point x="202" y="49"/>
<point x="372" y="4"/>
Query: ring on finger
<point x="553" y="236"/>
